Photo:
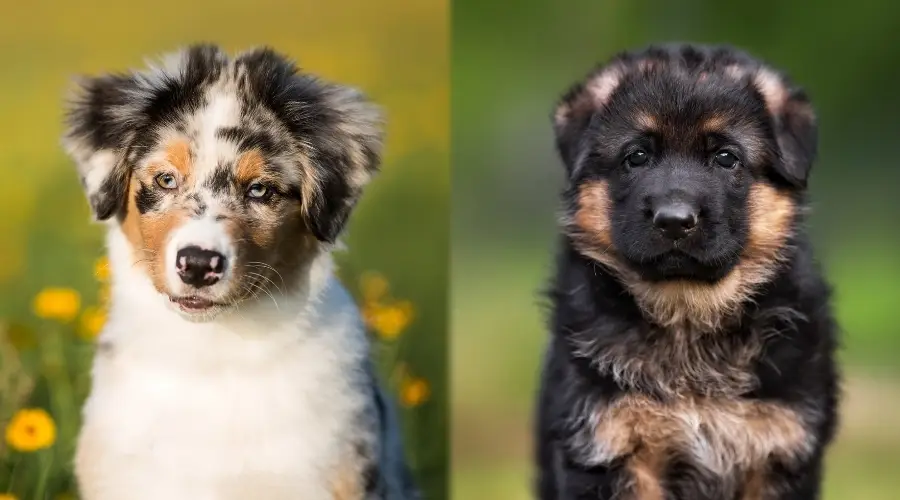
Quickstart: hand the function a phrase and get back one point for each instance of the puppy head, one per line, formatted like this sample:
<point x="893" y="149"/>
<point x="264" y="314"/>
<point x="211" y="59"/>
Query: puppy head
<point x="225" y="174"/>
<point x="685" y="167"/>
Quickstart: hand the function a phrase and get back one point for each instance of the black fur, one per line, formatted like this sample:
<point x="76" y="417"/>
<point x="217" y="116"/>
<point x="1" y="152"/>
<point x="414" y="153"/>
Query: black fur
<point x="284" y="112"/>
<point x="789" y="316"/>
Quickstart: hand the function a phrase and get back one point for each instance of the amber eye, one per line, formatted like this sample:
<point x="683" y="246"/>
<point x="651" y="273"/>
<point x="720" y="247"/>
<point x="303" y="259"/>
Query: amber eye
<point x="166" y="181"/>
<point x="638" y="158"/>
<point x="726" y="159"/>
<point x="258" y="191"/>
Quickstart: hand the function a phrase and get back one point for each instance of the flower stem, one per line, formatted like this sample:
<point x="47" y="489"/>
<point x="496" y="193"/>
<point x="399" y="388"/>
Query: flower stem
<point x="46" y="461"/>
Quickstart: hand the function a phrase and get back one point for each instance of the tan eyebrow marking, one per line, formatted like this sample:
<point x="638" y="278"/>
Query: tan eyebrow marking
<point x="178" y="153"/>
<point x="250" y="165"/>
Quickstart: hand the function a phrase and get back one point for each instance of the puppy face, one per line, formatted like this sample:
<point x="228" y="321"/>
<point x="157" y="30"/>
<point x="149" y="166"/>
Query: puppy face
<point x="685" y="167"/>
<point x="225" y="175"/>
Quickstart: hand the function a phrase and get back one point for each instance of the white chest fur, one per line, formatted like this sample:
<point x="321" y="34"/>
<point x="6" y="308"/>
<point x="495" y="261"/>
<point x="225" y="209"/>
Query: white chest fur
<point x="257" y="405"/>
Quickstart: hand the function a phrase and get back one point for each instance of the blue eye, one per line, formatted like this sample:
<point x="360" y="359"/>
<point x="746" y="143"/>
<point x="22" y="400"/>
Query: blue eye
<point x="166" y="181"/>
<point x="726" y="159"/>
<point x="258" y="191"/>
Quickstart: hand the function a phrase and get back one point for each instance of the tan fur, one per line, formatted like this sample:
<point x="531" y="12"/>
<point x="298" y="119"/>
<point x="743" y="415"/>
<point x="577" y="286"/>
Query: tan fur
<point x="147" y="235"/>
<point x="596" y="93"/>
<point x="645" y="468"/>
<point x="679" y="362"/>
<point x="647" y="122"/>
<point x="714" y="123"/>
<point x="754" y="485"/>
<point x="178" y="154"/>
<point x="773" y="90"/>
<point x="280" y="240"/>
<point x="723" y="435"/>
<point x="592" y="216"/>
<point x="309" y="185"/>
<point x="249" y="166"/>
<point x="694" y="306"/>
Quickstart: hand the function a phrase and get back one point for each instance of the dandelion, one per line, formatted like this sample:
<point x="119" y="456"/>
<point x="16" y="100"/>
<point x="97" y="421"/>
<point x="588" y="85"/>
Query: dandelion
<point x="389" y="321"/>
<point x="414" y="391"/>
<point x="57" y="303"/>
<point x="92" y="321"/>
<point x="101" y="269"/>
<point x="8" y="496"/>
<point x="31" y="430"/>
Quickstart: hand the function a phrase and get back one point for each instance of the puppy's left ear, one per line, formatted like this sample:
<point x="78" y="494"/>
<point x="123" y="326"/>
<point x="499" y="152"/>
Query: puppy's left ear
<point x="100" y="120"/>
<point x="795" y="128"/>
<point x="346" y="156"/>
<point x="574" y="112"/>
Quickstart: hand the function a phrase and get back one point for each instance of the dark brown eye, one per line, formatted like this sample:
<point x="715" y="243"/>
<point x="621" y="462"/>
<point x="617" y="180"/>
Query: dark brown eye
<point x="258" y="191"/>
<point x="726" y="159"/>
<point x="638" y="158"/>
<point x="166" y="181"/>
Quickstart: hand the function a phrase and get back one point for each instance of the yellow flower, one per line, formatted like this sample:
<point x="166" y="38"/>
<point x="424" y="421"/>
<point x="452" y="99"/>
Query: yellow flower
<point x="8" y="496"/>
<point x="31" y="430"/>
<point x="92" y="321"/>
<point x="388" y="321"/>
<point x="414" y="391"/>
<point x="57" y="303"/>
<point x="373" y="285"/>
<point x="101" y="269"/>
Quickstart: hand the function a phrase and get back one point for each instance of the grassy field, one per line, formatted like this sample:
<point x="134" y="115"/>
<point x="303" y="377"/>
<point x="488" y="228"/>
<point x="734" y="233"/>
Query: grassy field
<point x="51" y="304"/>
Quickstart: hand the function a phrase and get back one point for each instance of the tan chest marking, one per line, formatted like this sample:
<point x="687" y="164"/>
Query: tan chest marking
<point x="724" y="436"/>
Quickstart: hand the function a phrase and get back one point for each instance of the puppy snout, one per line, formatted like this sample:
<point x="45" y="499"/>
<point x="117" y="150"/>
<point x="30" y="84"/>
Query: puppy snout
<point x="675" y="220"/>
<point x="198" y="267"/>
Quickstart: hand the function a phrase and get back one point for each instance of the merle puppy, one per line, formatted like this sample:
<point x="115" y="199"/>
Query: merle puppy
<point x="692" y="348"/>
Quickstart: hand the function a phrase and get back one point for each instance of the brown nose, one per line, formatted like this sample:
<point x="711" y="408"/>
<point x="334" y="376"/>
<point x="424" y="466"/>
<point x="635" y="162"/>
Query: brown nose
<point x="198" y="267"/>
<point x="675" y="220"/>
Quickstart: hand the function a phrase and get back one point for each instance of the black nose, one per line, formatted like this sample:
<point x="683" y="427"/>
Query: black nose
<point x="198" y="267"/>
<point x="675" y="220"/>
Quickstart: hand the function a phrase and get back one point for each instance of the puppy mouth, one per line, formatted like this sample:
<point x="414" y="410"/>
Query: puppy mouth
<point x="679" y="265"/>
<point x="194" y="303"/>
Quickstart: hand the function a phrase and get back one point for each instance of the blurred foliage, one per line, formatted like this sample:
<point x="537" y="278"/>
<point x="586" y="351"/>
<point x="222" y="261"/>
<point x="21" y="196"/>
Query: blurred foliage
<point x="513" y="60"/>
<point x="50" y="303"/>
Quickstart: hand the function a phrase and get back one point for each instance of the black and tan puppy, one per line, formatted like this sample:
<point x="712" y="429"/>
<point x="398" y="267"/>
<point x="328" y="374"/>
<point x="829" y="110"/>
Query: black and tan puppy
<point x="692" y="349"/>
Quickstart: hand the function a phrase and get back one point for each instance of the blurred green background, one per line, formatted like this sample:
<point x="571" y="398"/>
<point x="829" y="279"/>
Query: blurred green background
<point x="395" y="50"/>
<point x="512" y="60"/>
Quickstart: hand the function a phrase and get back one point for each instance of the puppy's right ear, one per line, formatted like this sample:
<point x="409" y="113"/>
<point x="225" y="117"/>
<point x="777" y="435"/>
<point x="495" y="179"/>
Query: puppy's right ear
<point x="574" y="112"/>
<point x="100" y="123"/>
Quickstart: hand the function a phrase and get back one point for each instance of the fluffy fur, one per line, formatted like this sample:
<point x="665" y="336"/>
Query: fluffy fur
<point x="695" y="362"/>
<point x="255" y="380"/>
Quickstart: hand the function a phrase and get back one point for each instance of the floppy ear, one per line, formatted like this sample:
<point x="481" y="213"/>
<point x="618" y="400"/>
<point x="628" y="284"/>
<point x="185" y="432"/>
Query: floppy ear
<point x="794" y="125"/>
<point x="574" y="111"/>
<point x="100" y="123"/>
<point x="346" y="155"/>
<point x="337" y="129"/>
